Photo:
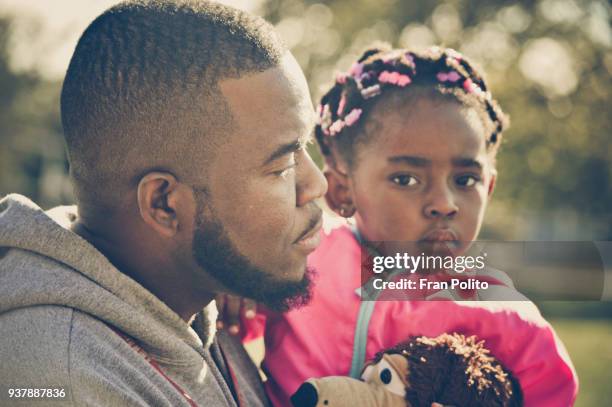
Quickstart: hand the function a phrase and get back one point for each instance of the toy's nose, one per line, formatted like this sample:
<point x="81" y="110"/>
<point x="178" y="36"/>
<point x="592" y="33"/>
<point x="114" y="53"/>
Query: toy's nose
<point x="305" y="396"/>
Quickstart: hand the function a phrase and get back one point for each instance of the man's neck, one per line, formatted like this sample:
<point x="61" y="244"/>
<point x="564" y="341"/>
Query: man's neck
<point x="173" y="287"/>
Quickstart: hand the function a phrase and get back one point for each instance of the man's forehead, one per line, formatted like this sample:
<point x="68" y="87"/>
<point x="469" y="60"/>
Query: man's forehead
<point x="270" y="108"/>
<point x="281" y="84"/>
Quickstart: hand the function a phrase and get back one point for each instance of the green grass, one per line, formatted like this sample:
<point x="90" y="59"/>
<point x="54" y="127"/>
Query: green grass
<point x="589" y="343"/>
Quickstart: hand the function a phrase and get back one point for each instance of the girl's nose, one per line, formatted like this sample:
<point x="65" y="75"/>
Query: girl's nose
<point x="441" y="205"/>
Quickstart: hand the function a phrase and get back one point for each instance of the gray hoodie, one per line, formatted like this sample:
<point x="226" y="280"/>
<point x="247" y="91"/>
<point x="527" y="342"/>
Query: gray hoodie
<point x="62" y="307"/>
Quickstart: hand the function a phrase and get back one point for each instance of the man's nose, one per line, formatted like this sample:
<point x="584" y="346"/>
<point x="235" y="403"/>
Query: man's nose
<point x="440" y="204"/>
<point x="311" y="183"/>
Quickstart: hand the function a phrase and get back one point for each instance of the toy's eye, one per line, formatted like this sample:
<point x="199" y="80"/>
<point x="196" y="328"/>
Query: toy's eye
<point x="386" y="376"/>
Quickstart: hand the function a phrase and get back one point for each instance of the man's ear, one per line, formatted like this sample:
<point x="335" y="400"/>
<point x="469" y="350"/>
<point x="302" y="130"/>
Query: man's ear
<point x="338" y="195"/>
<point x="492" y="181"/>
<point x="158" y="197"/>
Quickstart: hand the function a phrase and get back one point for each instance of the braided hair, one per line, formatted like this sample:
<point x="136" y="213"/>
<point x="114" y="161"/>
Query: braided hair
<point x="435" y="72"/>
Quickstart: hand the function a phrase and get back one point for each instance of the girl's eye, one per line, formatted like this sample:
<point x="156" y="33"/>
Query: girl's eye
<point x="404" y="180"/>
<point x="467" y="180"/>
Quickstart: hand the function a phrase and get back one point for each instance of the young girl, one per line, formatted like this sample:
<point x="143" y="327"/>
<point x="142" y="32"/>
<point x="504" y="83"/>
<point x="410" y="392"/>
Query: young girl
<point x="409" y="141"/>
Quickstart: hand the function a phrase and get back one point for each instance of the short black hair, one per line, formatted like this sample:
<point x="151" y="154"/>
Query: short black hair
<point x="142" y="87"/>
<point x="382" y="72"/>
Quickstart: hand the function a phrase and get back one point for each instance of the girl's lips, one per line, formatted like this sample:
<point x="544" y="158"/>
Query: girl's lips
<point x="441" y="241"/>
<point x="440" y="235"/>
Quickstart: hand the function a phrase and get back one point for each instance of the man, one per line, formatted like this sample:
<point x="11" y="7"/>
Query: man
<point x="185" y="125"/>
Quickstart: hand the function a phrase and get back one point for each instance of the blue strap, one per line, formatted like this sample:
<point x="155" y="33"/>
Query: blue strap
<point x="361" y="337"/>
<point x="360" y="341"/>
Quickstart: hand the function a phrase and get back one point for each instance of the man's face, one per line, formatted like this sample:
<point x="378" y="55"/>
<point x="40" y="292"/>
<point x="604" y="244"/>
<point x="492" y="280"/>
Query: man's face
<point x="257" y="220"/>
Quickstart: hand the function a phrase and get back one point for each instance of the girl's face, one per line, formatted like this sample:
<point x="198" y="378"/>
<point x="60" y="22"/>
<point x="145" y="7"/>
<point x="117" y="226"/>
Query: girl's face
<point x="425" y="177"/>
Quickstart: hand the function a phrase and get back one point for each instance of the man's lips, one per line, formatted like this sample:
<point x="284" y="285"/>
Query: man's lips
<point x="311" y="237"/>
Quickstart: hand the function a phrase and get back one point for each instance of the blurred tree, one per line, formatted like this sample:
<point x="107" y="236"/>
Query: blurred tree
<point x="32" y="159"/>
<point x="549" y="63"/>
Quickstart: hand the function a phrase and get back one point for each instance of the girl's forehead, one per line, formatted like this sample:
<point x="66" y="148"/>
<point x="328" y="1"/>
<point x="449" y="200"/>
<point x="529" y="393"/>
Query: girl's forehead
<point x="427" y="128"/>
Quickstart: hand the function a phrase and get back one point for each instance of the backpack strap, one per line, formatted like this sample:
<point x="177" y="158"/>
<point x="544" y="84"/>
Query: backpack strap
<point x="360" y="340"/>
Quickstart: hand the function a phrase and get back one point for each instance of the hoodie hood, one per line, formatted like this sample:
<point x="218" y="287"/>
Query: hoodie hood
<point x="42" y="262"/>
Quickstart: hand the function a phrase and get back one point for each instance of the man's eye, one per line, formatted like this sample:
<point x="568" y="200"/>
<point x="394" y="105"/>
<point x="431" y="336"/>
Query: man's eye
<point x="404" y="180"/>
<point x="285" y="172"/>
<point x="467" y="180"/>
<point x="289" y="166"/>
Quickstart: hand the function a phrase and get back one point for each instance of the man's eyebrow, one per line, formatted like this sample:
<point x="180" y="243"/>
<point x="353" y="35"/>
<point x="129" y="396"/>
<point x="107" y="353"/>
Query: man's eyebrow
<point x="467" y="162"/>
<point x="285" y="149"/>
<point x="411" y="160"/>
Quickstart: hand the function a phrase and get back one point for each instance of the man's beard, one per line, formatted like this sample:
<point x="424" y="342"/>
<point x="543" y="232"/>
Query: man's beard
<point x="216" y="254"/>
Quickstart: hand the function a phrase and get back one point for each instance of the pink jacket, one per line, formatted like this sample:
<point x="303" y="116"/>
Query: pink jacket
<point x="317" y="340"/>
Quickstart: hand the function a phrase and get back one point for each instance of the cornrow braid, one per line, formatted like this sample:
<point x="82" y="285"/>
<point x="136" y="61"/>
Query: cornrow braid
<point x="343" y="108"/>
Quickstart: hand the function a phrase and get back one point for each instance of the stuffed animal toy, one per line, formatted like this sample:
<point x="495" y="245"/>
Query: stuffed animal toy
<point x="449" y="370"/>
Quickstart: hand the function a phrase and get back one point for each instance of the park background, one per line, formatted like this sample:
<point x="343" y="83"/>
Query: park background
<point x="549" y="63"/>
